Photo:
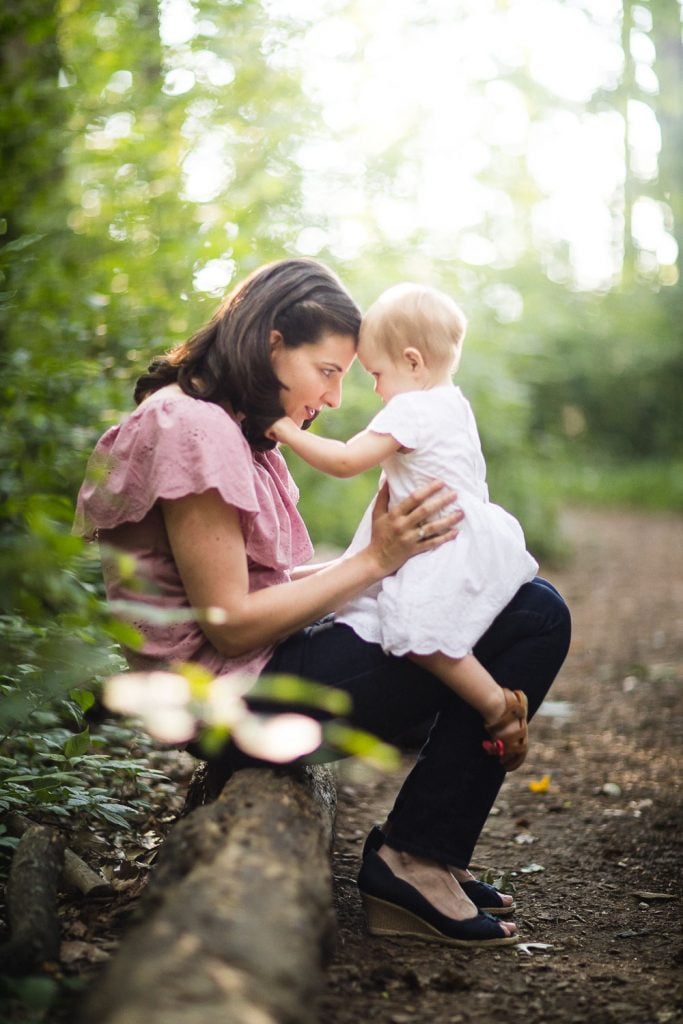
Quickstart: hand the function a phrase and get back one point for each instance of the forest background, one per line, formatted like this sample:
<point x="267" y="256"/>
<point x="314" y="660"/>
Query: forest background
<point x="526" y="157"/>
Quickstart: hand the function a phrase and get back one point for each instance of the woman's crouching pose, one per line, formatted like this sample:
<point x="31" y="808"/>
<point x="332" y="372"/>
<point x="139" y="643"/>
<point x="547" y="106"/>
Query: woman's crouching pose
<point x="192" y="487"/>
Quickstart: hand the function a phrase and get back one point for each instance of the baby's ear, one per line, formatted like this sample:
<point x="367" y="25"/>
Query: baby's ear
<point x="414" y="358"/>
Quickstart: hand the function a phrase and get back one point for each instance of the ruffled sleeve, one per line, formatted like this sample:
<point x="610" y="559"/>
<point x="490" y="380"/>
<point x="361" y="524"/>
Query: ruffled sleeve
<point x="170" y="446"/>
<point x="401" y="417"/>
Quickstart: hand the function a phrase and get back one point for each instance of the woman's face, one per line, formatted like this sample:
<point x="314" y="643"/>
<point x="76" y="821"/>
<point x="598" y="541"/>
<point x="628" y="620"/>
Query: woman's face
<point x="312" y="374"/>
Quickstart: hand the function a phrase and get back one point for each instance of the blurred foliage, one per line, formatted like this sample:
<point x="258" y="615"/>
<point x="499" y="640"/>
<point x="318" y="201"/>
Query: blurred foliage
<point x="610" y="380"/>
<point x="100" y="248"/>
<point x="561" y="378"/>
<point x="651" y="484"/>
<point x="85" y="779"/>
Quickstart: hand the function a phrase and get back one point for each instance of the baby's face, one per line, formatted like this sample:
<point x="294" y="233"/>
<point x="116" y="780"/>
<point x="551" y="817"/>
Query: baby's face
<point x="390" y="377"/>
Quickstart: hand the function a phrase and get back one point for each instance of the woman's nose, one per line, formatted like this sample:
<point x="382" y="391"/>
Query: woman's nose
<point x="333" y="395"/>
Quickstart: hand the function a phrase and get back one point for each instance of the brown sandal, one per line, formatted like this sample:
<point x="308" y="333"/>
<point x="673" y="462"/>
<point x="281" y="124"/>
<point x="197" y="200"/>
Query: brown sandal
<point x="513" y="749"/>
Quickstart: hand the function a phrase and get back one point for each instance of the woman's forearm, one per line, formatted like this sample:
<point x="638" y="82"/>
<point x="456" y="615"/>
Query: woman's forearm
<point x="269" y="615"/>
<point x="208" y="547"/>
<point x="209" y="550"/>
<point x="300" y="572"/>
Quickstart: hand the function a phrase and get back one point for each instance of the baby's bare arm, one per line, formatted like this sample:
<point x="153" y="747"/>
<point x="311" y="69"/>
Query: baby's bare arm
<point x="336" y="458"/>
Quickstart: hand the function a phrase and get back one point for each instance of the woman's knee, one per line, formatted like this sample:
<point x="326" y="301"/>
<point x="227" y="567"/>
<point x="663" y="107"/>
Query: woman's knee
<point x="536" y="620"/>
<point x="558" y="614"/>
<point x="541" y="599"/>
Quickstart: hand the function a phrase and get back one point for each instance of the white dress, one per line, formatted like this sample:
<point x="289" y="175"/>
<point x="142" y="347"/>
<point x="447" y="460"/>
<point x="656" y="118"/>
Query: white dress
<point x="445" y="599"/>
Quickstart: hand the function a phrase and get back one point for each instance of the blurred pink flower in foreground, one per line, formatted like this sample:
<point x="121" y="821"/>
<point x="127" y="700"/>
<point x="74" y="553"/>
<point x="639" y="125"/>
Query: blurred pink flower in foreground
<point x="277" y="738"/>
<point x="174" y="711"/>
<point x="160" y="699"/>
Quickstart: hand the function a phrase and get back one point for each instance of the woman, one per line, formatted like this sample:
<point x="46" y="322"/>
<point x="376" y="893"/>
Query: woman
<point x="190" y="485"/>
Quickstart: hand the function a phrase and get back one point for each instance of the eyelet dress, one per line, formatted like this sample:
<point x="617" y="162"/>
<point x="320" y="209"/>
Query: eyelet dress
<point x="445" y="599"/>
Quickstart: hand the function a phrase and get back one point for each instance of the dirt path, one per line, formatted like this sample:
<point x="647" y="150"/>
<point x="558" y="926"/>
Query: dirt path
<point x="583" y="854"/>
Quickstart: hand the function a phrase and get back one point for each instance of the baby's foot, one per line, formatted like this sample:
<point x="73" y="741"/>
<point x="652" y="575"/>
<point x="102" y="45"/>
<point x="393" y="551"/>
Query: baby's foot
<point x="509" y="733"/>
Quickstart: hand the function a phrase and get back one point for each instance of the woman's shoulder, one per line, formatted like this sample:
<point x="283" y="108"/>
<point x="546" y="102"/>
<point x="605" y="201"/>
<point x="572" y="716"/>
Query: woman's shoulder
<point x="170" y="420"/>
<point x="171" y="407"/>
<point x="172" y="445"/>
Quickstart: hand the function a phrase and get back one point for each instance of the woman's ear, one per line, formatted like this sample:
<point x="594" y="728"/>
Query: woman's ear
<point x="276" y="341"/>
<point x="414" y="359"/>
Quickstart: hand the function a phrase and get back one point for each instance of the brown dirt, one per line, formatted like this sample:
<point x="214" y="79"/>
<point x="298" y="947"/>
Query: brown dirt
<point x="580" y="856"/>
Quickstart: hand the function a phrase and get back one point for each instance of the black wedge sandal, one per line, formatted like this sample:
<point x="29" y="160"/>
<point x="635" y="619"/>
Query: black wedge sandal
<point x="484" y="896"/>
<point x="393" y="907"/>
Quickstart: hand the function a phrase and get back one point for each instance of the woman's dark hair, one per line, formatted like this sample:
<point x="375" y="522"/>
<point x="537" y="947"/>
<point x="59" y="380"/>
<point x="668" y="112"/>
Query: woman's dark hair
<point x="229" y="359"/>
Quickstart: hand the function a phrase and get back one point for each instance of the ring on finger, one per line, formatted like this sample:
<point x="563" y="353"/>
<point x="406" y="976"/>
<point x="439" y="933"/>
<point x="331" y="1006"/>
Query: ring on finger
<point x="421" y="533"/>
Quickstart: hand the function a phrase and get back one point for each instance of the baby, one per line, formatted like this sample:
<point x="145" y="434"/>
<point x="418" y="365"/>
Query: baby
<point x="439" y="604"/>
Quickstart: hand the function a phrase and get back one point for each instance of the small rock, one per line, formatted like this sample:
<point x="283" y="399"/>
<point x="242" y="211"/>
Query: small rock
<point x="610" y="789"/>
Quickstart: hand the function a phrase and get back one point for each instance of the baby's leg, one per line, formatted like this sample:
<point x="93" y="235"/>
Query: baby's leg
<point x="504" y="711"/>
<point x="470" y="680"/>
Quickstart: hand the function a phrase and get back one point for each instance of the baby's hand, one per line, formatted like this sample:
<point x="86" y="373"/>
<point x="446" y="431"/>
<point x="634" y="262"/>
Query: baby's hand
<point x="281" y="430"/>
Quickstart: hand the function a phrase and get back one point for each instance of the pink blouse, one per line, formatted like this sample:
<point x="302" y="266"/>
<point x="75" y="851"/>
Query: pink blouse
<point x="170" y="446"/>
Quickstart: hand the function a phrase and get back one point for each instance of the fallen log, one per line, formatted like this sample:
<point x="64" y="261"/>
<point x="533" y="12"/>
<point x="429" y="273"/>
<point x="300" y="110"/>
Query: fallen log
<point x="31" y="897"/>
<point x="238" y="919"/>
<point x="77" y="873"/>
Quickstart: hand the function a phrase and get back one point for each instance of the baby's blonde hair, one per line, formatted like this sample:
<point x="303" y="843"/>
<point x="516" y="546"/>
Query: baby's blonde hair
<point x="416" y="316"/>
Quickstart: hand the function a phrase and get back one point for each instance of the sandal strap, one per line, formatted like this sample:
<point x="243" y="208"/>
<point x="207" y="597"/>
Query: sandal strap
<point x="516" y="706"/>
<point x="487" y="898"/>
<point x="516" y="746"/>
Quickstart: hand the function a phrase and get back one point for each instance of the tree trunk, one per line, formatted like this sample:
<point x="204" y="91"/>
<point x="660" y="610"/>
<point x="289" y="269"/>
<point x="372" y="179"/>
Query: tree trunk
<point x="626" y="92"/>
<point x="33" y="119"/>
<point x="238" y="918"/>
<point x="666" y="35"/>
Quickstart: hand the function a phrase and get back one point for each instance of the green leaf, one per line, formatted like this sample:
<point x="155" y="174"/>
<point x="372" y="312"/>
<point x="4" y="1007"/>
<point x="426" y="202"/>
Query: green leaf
<point x="213" y="740"/>
<point x="362" y="745"/>
<point x="84" y="698"/>
<point x="197" y="676"/>
<point x="37" y="992"/>
<point x="153" y="614"/>
<point x="19" y="244"/>
<point x="115" y="819"/>
<point x="293" y="690"/>
<point x="47" y="781"/>
<point x="125" y="634"/>
<point x="77" y="745"/>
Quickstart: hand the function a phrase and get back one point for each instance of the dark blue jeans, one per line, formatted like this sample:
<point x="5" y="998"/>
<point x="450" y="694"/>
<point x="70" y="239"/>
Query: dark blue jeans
<point x="442" y="806"/>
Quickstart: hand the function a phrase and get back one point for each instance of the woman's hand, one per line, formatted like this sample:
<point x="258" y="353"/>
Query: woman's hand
<point x="410" y="527"/>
